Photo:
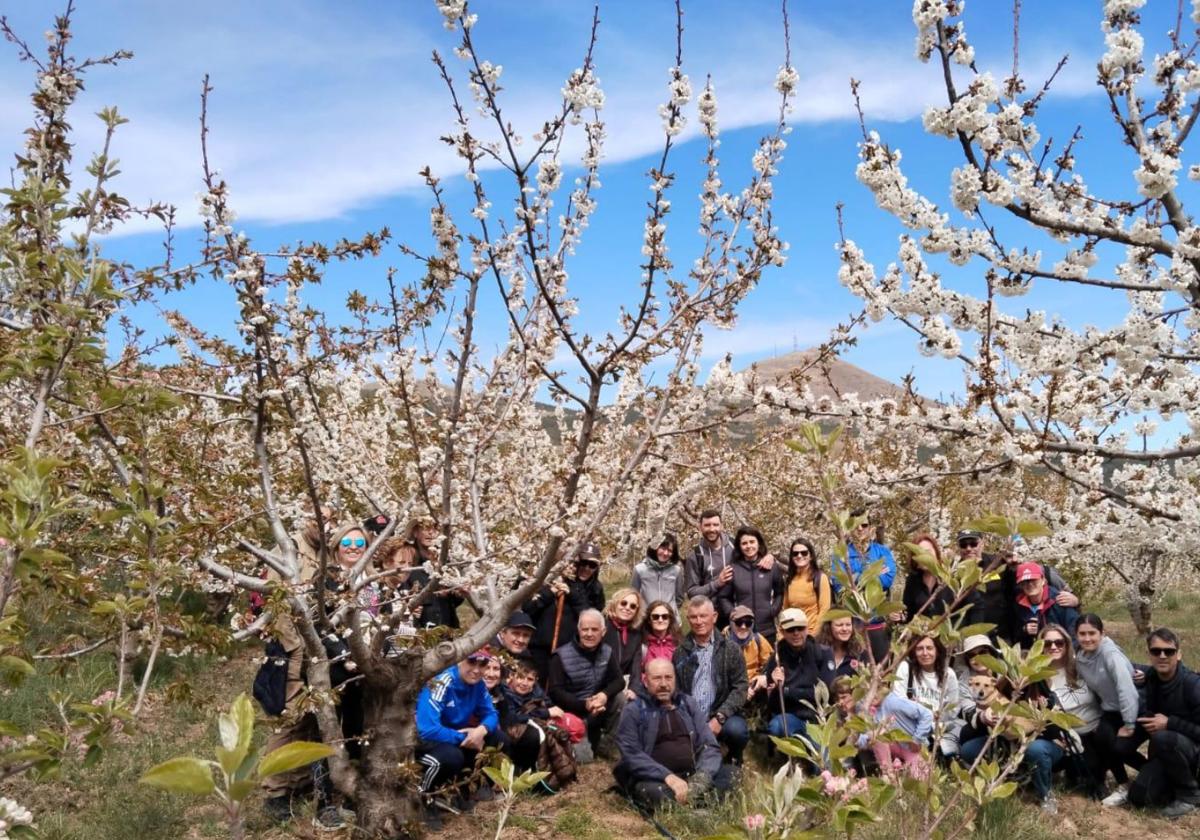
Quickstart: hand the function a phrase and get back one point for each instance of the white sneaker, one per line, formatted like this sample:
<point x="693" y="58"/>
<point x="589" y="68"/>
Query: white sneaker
<point x="1050" y="805"/>
<point x="1117" y="798"/>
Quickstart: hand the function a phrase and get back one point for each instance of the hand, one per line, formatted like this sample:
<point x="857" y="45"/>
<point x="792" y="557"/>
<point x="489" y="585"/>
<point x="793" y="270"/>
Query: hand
<point x="777" y="674"/>
<point x="559" y="587"/>
<point x="1031" y="628"/>
<point x="630" y="695"/>
<point x="474" y="738"/>
<point x="896" y="617"/>
<point x="678" y="786"/>
<point x="1158" y="723"/>
<point x="1139" y="676"/>
<point x="554" y="711"/>
<point x="725" y="576"/>
<point x="596" y="703"/>
<point x="756" y="685"/>
<point x="988" y="717"/>
<point x="1125" y="732"/>
<point x="766" y="563"/>
<point x="714" y="726"/>
<point x="1067" y="599"/>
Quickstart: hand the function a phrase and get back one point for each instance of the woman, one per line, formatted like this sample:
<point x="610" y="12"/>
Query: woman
<point x="624" y="633"/>
<point x="660" y="577"/>
<point x="806" y="586"/>
<point x="1074" y="696"/>
<point x="849" y="650"/>
<point x="1109" y="673"/>
<point x="969" y="664"/>
<point x="759" y="589"/>
<point x="755" y="649"/>
<point x="925" y="676"/>
<point x="660" y="637"/>
<point x="435" y="609"/>
<point x="924" y="594"/>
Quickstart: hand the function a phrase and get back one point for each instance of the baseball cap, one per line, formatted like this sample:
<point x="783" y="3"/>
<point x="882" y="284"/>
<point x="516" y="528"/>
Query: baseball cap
<point x="1028" y="571"/>
<point x="792" y="617"/>
<point x="484" y="654"/>
<point x="520" y="619"/>
<point x="588" y="551"/>
<point x="741" y="612"/>
<point x="968" y="534"/>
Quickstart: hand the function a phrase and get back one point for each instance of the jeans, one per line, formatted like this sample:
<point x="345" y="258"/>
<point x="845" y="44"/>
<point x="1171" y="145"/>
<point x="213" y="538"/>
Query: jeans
<point x="735" y="734"/>
<point x="1040" y="757"/>
<point x="796" y="726"/>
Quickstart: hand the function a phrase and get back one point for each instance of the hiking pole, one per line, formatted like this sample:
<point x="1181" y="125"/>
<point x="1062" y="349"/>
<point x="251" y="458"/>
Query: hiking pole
<point x="648" y="816"/>
<point x="783" y="711"/>
<point x="558" y="611"/>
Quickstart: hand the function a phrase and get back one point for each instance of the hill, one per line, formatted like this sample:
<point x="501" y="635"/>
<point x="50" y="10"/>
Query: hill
<point x="832" y="378"/>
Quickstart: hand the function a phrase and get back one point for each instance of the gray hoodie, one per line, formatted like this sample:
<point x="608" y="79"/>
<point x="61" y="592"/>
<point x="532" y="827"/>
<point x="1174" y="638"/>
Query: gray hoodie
<point x="1109" y="673"/>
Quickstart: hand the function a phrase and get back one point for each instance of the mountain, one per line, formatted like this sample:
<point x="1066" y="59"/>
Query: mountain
<point x="838" y="376"/>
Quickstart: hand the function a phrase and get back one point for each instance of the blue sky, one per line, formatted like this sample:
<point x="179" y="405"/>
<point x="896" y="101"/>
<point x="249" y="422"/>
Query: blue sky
<point x="324" y="112"/>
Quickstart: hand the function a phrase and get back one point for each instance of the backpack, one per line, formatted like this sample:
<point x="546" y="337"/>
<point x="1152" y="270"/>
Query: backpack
<point x="555" y="756"/>
<point x="270" y="683"/>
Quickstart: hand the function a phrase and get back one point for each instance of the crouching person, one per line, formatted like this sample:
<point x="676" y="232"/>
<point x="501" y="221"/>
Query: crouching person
<point x="668" y="751"/>
<point x="447" y="744"/>
<point x="586" y="680"/>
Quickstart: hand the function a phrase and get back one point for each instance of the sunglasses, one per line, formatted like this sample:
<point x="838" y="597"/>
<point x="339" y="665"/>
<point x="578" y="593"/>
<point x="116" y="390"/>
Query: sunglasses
<point x="1163" y="653"/>
<point x="356" y="542"/>
<point x="579" y="564"/>
<point x="744" y="622"/>
<point x="661" y="617"/>
<point x="1055" y="643"/>
<point x="800" y="552"/>
<point x="633" y="605"/>
<point x="968" y="543"/>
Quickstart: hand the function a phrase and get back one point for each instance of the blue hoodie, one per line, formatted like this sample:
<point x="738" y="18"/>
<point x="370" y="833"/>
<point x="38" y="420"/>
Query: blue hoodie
<point x="446" y="704"/>
<point x="858" y="563"/>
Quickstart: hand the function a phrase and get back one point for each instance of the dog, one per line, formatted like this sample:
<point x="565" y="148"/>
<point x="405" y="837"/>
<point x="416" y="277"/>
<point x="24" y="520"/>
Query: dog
<point x="988" y="692"/>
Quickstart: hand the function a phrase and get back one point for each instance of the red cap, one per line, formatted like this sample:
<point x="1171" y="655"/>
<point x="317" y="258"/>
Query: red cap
<point x="1028" y="571"/>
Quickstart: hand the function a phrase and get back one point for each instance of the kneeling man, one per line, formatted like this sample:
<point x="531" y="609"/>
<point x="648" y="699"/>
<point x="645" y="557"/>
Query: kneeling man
<point x="668" y="751"/>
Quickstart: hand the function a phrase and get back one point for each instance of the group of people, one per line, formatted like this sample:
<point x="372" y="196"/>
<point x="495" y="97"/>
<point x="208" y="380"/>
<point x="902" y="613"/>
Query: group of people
<point x="574" y="676"/>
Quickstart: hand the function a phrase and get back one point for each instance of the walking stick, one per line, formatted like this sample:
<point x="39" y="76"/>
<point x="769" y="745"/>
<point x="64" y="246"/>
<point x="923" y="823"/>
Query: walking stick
<point x="783" y="709"/>
<point x="558" y="611"/>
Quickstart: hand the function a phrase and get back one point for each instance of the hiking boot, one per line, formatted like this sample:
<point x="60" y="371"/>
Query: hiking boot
<point x="1050" y="805"/>
<point x="1178" y="808"/>
<point x="1117" y="798"/>
<point x="278" y="808"/>
<point x="329" y="818"/>
<point x="583" y="752"/>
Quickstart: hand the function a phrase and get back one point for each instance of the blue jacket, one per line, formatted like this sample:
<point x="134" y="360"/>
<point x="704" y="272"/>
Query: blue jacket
<point x="638" y="730"/>
<point x="909" y="716"/>
<point x="875" y="553"/>
<point x="446" y="704"/>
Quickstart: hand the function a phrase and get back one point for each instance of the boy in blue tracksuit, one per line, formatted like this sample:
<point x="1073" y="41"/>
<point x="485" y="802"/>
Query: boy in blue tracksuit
<point x="447" y="744"/>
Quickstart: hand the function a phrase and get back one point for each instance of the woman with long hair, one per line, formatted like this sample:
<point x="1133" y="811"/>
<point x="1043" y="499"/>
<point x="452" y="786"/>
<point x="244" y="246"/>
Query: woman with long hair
<point x="437" y="609"/>
<point x="1109" y="673"/>
<point x="924" y="594"/>
<point x="1074" y="696"/>
<point x="624" y="614"/>
<point x="751" y="585"/>
<point x="806" y="586"/>
<point x="660" y="576"/>
<point x="925" y="676"/>
<point x="849" y="649"/>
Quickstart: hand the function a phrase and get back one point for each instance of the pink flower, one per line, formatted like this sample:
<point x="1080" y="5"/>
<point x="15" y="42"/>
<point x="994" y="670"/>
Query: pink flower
<point x="755" y="821"/>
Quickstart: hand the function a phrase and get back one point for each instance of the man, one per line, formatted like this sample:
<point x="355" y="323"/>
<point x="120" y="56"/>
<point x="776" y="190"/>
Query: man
<point x="712" y="671"/>
<point x="555" y="610"/>
<point x="793" y="672"/>
<point x="708" y="567"/>
<point x="586" y="680"/>
<point x="515" y="635"/>
<point x="1036" y="605"/>
<point x="668" y="751"/>
<point x="1172" y="723"/>
<point x="991" y="601"/>
<point x="446" y="745"/>
<point x="862" y="552"/>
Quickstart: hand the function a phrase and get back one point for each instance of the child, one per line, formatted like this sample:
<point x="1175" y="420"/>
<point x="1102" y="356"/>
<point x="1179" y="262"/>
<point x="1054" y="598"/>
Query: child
<point x="898" y="714"/>
<point x="526" y="710"/>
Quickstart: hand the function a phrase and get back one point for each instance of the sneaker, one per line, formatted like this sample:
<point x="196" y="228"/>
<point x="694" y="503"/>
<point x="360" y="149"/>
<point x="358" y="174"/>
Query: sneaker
<point x="329" y="818"/>
<point x="1177" y="809"/>
<point x="278" y="808"/>
<point x="1050" y="805"/>
<point x="583" y="752"/>
<point x="1117" y="798"/>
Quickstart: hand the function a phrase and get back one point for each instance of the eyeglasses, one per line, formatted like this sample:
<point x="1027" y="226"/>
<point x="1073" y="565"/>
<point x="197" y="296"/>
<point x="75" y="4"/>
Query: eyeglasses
<point x="355" y="542"/>
<point x="661" y="617"/>
<point x="800" y="552"/>
<point x="1163" y="653"/>
<point x="1055" y="643"/>
<point x="968" y="543"/>
<point x="744" y="622"/>
<point x="633" y="605"/>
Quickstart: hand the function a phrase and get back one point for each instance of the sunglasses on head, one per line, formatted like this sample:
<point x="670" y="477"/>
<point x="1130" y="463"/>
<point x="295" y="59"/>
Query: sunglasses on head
<point x="744" y="622"/>
<point x="971" y="543"/>
<point x="1163" y="652"/>
<point x="353" y="542"/>
<point x="1056" y="643"/>
<point x="661" y="617"/>
<point x="800" y="552"/>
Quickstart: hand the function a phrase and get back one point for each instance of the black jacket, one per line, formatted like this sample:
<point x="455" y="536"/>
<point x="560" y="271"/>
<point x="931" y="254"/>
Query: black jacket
<point x="542" y="607"/>
<point x="917" y="594"/>
<point x="802" y="669"/>
<point x="576" y="674"/>
<point x="761" y="591"/>
<point x="627" y="651"/>
<point x="1178" y="699"/>
<point x="729" y="673"/>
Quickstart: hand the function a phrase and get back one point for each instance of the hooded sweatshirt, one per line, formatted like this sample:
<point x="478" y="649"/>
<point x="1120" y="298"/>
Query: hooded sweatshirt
<point x="704" y="564"/>
<point x="656" y="581"/>
<point x="1108" y="672"/>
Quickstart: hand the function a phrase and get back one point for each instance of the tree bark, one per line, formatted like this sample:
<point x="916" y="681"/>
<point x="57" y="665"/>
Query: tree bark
<point x="388" y="806"/>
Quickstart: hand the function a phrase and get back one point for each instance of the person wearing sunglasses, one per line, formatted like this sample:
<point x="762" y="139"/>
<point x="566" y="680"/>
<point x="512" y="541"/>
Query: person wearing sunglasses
<point x="447" y="742"/>
<point x="863" y="550"/>
<point x="806" y="586"/>
<point x="991" y="602"/>
<point x="625" y="632"/>
<point x="1076" y="698"/>
<point x="556" y="608"/>
<point x="1171" y="723"/>
<point x="660" y="635"/>
<point x="751" y="585"/>
<point x="793" y="672"/>
<point x="1108" y="672"/>
<point x="660" y="574"/>
<point x="756" y="651"/>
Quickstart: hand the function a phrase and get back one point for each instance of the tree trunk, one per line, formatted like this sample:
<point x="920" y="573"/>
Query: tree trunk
<point x="1141" y="599"/>
<point x="388" y="805"/>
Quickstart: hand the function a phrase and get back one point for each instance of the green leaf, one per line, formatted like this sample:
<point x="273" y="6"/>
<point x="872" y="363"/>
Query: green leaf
<point x="236" y="729"/>
<point x="240" y="790"/>
<point x="1029" y="529"/>
<point x="293" y="755"/>
<point x="181" y="775"/>
<point x="1005" y="790"/>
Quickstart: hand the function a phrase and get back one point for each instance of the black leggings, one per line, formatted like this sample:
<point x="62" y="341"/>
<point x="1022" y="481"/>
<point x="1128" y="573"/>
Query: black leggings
<point x="1110" y="751"/>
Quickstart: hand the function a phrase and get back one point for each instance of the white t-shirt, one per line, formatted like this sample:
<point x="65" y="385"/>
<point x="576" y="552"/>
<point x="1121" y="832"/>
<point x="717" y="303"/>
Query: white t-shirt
<point x="942" y="699"/>
<point x="1081" y="701"/>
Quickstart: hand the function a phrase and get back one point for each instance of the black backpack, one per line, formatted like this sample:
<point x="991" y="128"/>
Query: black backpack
<point x="270" y="683"/>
